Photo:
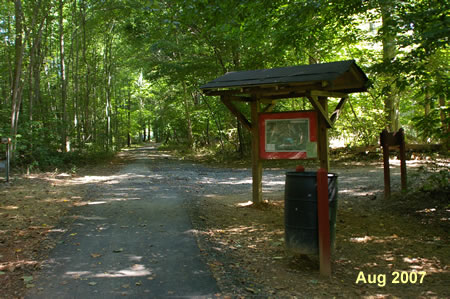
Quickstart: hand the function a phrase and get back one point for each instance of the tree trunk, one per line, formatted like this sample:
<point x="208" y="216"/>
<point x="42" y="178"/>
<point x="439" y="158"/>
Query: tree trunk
<point x="64" y="141"/>
<point x="241" y="148"/>
<point x="207" y="132"/>
<point x="108" y="75"/>
<point x="86" y="117"/>
<point x="391" y="101"/>
<point x="34" y="68"/>
<point x="16" y="90"/>
<point x="75" y="72"/>
<point x="149" y="130"/>
<point x="444" y="121"/>
<point x="188" y="116"/>
<point x="129" y="119"/>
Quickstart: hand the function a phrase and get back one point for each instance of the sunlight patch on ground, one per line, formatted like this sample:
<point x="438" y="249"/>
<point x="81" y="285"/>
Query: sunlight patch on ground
<point x="134" y="271"/>
<point x="9" y="207"/>
<point x="244" y="204"/>
<point x="135" y="258"/>
<point x="121" y="198"/>
<point x="112" y="179"/>
<point x="158" y="156"/>
<point x="353" y="192"/>
<point x="423" y="264"/>
<point x="63" y="175"/>
<point x="96" y="202"/>
<point x="213" y="196"/>
<point x="97" y="179"/>
<point x="375" y="239"/>
<point x="236" y="182"/>
<point x="192" y="232"/>
<point x="245" y="181"/>
<point x="112" y="199"/>
<point x="273" y="183"/>
<point x="377" y="296"/>
<point x="11" y="266"/>
<point x="364" y="239"/>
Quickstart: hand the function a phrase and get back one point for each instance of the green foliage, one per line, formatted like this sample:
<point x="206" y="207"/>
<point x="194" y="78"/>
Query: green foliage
<point x="430" y="127"/>
<point x="135" y="66"/>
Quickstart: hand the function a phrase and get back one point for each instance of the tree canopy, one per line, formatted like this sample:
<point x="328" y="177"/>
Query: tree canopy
<point x="83" y="77"/>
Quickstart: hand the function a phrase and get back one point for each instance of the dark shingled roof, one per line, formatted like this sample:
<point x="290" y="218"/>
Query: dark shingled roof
<point x="293" y="74"/>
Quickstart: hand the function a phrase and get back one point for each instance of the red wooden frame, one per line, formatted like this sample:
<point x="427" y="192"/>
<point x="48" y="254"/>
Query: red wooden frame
<point x="310" y="115"/>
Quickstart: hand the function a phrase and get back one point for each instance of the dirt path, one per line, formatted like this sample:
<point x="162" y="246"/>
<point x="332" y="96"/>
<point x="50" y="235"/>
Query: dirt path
<point x="133" y="238"/>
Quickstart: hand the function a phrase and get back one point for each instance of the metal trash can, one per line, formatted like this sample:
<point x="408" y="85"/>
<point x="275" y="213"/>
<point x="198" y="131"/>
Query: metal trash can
<point x="300" y="211"/>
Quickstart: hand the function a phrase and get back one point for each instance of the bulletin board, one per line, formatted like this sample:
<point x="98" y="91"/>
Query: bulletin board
<point x="288" y="135"/>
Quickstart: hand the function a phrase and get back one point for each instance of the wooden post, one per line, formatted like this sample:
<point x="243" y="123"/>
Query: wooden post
<point x="322" y="190"/>
<point x="401" y="139"/>
<point x="322" y="142"/>
<point x="393" y="139"/>
<point x="256" y="161"/>
<point x="8" y="158"/>
<point x="7" y="142"/>
<point x="323" y="223"/>
<point x="387" y="176"/>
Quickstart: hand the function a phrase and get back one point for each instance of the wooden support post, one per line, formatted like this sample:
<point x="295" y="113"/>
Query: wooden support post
<point x="269" y="107"/>
<point x="393" y="139"/>
<point x="256" y="161"/>
<point x="387" y="175"/>
<point x="322" y="138"/>
<point x="317" y="103"/>
<point x="401" y="139"/>
<point x="323" y="223"/>
<point x="337" y="111"/>
<point x="8" y="158"/>
<point x="226" y="101"/>
<point x="322" y="190"/>
<point x="7" y="141"/>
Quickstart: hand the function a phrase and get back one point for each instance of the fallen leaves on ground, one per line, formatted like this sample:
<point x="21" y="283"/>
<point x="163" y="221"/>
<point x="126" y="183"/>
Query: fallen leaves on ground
<point x="248" y="256"/>
<point x="31" y="207"/>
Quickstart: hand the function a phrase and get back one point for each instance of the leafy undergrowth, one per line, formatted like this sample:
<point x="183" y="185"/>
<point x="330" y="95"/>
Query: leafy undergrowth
<point x="245" y="247"/>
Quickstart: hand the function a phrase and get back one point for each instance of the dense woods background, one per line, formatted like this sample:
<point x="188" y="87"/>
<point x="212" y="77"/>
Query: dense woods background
<point x="81" y="78"/>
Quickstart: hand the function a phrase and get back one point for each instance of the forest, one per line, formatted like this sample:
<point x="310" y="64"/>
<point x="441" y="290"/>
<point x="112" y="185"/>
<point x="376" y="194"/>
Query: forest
<point x="94" y="209"/>
<point x="81" y="78"/>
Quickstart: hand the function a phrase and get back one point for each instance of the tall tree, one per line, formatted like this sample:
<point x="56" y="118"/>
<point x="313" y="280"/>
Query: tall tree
<point x="64" y="137"/>
<point x="16" y="90"/>
<point x="389" y="40"/>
